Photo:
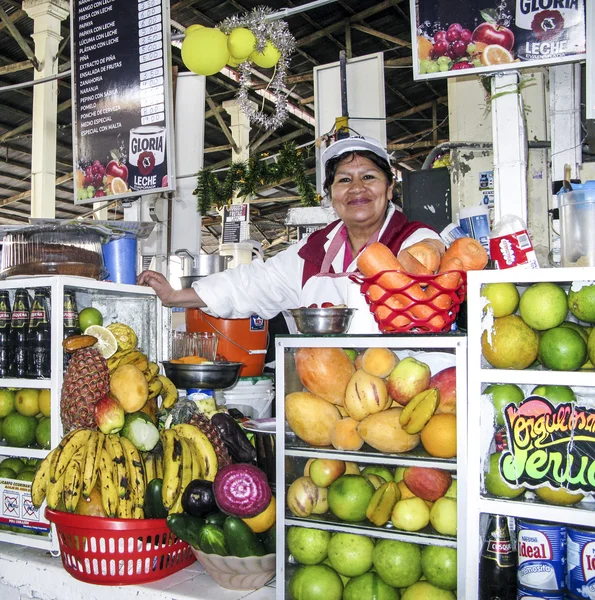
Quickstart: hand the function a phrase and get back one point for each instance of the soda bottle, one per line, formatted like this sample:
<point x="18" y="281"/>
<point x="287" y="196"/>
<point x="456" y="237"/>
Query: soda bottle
<point x="39" y="350"/>
<point x="497" y="566"/>
<point x="4" y="334"/>
<point x="19" y="327"/>
<point x="71" y="321"/>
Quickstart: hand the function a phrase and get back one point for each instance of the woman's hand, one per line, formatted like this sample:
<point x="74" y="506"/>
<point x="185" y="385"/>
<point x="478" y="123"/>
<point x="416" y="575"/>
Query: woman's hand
<point x="186" y="298"/>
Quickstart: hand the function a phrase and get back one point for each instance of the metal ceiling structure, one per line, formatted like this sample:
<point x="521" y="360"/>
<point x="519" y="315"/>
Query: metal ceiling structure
<point x="417" y="112"/>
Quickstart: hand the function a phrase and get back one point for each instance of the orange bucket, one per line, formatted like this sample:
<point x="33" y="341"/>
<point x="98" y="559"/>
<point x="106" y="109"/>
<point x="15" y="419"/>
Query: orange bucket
<point x="240" y="340"/>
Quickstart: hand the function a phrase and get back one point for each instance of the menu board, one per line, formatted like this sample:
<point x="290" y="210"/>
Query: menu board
<point x="464" y="37"/>
<point x="122" y="121"/>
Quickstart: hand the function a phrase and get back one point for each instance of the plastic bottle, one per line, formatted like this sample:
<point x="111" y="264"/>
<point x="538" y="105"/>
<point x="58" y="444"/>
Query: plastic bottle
<point x="510" y="244"/>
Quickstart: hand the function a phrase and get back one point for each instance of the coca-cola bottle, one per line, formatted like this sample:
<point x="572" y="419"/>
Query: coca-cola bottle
<point x="71" y="321"/>
<point x="39" y="349"/>
<point x="19" y="327"/>
<point x="497" y="566"/>
<point x="5" y="357"/>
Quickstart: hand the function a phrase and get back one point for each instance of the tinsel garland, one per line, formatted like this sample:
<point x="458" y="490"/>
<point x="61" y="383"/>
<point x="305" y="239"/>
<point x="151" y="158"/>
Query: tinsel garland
<point x="279" y="35"/>
<point x="247" y="177"/>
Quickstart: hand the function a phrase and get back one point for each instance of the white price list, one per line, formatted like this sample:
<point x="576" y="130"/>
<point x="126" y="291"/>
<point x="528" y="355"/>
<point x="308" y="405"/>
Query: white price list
<point x="150" y="46"/>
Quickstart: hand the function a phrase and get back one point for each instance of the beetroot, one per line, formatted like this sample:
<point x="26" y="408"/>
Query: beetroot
<point x="241" y="490"/>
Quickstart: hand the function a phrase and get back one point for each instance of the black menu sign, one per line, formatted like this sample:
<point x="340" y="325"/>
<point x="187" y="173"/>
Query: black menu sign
<point x="121" y="98"/>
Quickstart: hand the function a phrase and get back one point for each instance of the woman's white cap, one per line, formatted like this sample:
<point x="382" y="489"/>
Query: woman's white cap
<point x="352" y="144"/>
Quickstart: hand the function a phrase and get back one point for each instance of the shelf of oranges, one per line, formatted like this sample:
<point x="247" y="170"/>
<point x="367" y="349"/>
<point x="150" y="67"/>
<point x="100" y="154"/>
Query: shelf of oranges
<point x="546" y="309"/>
<point x="292" y="452"/>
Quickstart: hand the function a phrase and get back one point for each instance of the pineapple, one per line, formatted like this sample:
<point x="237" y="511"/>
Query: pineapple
<point x="86" y="381"/>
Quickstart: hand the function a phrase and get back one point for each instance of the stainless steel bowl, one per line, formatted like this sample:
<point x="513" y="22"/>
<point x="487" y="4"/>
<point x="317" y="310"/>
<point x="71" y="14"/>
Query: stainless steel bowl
<point x="320" y="321"/>
<point x="212" y="376"/>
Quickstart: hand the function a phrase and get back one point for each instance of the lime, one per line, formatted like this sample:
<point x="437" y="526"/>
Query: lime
<point x="581" y="302"/>
<point x="42" y="433"/>
<point x="19" y="430"/>
<point x="124" y="335"/>
<point x="350" y="554"/>
<point x="494" y="482"/>
<point x="106" y="342"/>
<point x="423" y="590"/>
<point x="556" y="394"/>
<point x="510" y="344"/>
<point x="27" y="402"/>
<point x="45" y="402"/>
<point x="369" y="585"/>
<point x="14" y="463"/>
<point x="591" y="346"/>
<point x="7" y="473"/>
<point x="349" y="496"/>
<point x="562" y="349"/>
<point x="398" y="563"/>
<point x="503" y="394"/>
<point x="7" y="400"/>
<point x="308" y="546"/>
<point x="1" y="429"/>
<point x="439" y="566"/>
<point x="89" y="316"/>
<point x="502" y="298"/>
<point x="315" y="582"/>
<point x="576" y="327"/>
<point x="26" y="475"/>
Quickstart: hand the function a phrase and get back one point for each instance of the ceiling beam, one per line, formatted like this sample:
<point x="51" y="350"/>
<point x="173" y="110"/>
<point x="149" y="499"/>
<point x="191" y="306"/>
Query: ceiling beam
<point x="28" y="124"/>
<point x="408" y="146"/>
<point x="382" y="36"/>
<point x="27" y="194"/>
<point x="17" y="66"/>
<point x="19" y="39"/>
<point x="415" y="109"/>
<point x="14" y="16"/>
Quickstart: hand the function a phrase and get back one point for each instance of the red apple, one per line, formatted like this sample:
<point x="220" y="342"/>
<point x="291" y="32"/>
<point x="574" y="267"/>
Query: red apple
<point x="446" y="382"/>
<point x="407" y="379"/>
<point x="427" y="483"/>
<point x="109" y="415"/>
<point x="490" y="33"/>
<point x="327" y="305"/>
<point x="117" y="169"/>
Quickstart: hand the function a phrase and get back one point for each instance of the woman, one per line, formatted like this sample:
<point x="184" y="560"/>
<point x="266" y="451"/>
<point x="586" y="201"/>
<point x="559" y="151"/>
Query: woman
<point x="359" y="182"/>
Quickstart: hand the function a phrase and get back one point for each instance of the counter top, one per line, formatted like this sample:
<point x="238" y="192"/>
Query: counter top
<point x="32" y="573"/>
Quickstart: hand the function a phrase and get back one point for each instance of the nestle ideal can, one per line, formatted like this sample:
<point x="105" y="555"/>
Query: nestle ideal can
<point x="146" y="157"/>
<point x="541" y="552"/>
<point x="580" y="553"/>
<point x="528" y="595"/>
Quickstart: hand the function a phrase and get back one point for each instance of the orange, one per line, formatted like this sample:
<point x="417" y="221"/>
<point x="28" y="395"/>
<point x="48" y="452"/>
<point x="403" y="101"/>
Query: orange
<point x="265" y="520"/>
<point x="495" y="55"/>
<point x="424" y="47"/>
<point x="439" y="436"/>
<point x="118" y="186"/>
<point x="80" y="179"/>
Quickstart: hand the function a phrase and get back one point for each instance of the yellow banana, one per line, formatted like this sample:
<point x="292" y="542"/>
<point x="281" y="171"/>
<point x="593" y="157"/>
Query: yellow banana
<point x="73" y="480"/>
<point x="76" y="441"/>
<point x="125" y="506"/>
<point x="159" y="466"/>
<point x="109" y="492"/>
<point x="186" y="474"/>
<point x="150" y="468"/>
<point x="169" y="393"/>
<point x="151" y="371"/>
<point x="58" y="450"/>
<point x="208" y="457"/>
<point x="172" y="467"/>
<point x="91" y="464"/>
<point x="136" y="476"/>
<point x="196" y="460"/>
<point x="141" y="362"/>
<point x="53" y="493"/>
<point x="114" y="361"/>
<point x="116" y="454"/>
<point x="131" y="357"/>
<point x="41" y="480"/>
<point x="155" y="387"/>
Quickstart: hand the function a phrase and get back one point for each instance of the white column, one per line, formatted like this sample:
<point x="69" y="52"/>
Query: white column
<point x="47" y="15"/>
<point x="510" y="147"/>
<point x="240" y="130"/>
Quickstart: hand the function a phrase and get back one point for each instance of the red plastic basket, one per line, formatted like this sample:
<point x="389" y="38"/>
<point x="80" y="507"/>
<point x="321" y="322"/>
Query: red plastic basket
<point x="427" y="303"/>
<point x="118" y="551"/>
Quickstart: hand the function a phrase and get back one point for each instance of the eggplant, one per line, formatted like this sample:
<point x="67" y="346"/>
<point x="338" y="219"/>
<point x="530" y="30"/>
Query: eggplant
<point x="198" y="499"/>
<point x="235" y="438"/>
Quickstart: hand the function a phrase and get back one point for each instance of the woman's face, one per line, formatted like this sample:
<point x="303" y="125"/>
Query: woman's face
<point x="360" y="193"/>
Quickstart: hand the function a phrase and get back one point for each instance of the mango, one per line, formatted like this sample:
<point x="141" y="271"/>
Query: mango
<point x="383" y="432"/>
<point x="129" y="386"/>
<point x="311" y="418"/>
<point x="379" y="361"/>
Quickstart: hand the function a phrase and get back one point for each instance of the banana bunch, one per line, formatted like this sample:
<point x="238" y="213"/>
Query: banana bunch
<point x="187" y="455"/>
<point x="84" y="459"/>
<point x="159" y="385"/>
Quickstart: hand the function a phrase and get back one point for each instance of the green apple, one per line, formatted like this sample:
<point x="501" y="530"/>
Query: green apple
<point x="323" y="471"/>
<point x="557" y="394"/>
<point x="379" y="470"/>
<point x="443" y="516"/>
<point x="351" y="353"/>
<point x="495" y="483"/>
<point x="7" y="401"/>
<point x="411" y="514"/>
<point x="407" y="379"/>
<point x="503" y="394"/>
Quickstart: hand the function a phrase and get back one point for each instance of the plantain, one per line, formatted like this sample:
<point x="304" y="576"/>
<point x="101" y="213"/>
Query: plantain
<point x="91" y="464"/>
<point x="141" y="363"/>
<point x="155" y="387"/>
<point x="53" y="494"/>
<point x="136" y="476"/>
<point x="56" y="454"/>
<point x="125" y="506"/>
<point x="151" y="371"/>
<point x="107" y="487"/>
<point x="114" y="361"/>
<point x="150" y="466"/>
<point x="73" y="480"/>
<point x="159" y="466"/>
<point x="196" y="461"/>
<point x="131" y="357"/>
<point x="76" y="441"/>
<point x="41" y="480"/>
<point x="172" y="467"/>
<point x="116" y="454"/>
<point x="208" y="457"/>
<point x="169" y="393"/>
<point x="186" y="474"/>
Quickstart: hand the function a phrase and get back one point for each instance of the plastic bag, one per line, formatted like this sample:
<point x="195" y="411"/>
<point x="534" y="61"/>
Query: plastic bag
<point x="510" y="244"/>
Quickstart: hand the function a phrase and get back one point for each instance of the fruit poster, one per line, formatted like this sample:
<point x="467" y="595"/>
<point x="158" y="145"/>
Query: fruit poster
<point x="482" y="36"/>
<point x="122" y="134"/>
<point x="549" y="444"/>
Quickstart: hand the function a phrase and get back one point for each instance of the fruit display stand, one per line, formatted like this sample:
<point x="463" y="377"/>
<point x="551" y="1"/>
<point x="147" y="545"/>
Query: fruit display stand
<point x="481" y="416"/>
<point x="293" y="453"/>
<point x="133" y="305"/>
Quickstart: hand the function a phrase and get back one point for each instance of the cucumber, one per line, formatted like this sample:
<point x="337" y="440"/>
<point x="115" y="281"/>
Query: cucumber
<point x="212" y="541"/>
<point x="269" y="539"/>
<point x="216" y="518"/>
<point x="241" y="540"/>
<point x="154" y="508"/>
<point x="186" y="527"/>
